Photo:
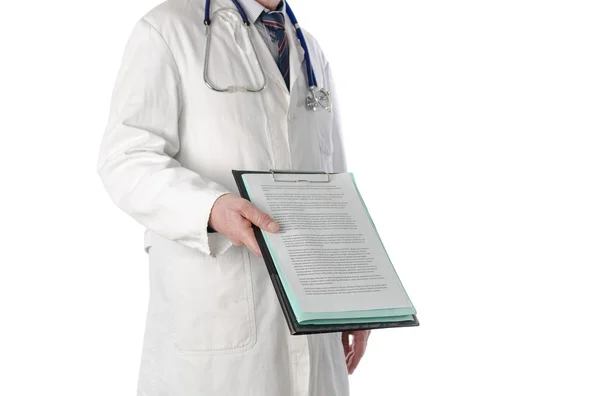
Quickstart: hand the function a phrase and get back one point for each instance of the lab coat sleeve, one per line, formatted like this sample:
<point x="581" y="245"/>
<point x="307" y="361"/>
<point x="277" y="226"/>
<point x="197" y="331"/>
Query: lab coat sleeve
<point x="136" y="160"/>
<point x="339" y="150"/>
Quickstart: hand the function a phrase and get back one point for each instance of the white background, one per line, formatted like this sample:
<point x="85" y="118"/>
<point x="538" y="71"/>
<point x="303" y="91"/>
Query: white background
<point x="473" y="128"/>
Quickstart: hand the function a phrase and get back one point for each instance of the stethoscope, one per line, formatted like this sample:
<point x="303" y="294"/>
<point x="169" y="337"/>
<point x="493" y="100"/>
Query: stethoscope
<point x="317" y="97"/>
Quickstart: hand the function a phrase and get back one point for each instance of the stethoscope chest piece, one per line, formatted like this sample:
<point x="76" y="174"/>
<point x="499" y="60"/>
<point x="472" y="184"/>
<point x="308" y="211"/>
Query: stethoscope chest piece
<point x="318" y="98"/>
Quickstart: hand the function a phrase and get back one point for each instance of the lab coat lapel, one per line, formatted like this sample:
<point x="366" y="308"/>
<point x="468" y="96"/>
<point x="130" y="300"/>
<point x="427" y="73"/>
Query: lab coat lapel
<point x="296" y="53"/>
<point x="266" y="59"/>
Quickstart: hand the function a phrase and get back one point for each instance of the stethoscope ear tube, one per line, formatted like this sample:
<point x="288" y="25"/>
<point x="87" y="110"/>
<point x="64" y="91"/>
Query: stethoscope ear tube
<point x="242" y="12"/>
<point x="207" y="13"/>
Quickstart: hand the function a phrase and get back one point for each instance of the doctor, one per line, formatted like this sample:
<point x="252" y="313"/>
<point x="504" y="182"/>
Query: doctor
<point x="206" y="87"/>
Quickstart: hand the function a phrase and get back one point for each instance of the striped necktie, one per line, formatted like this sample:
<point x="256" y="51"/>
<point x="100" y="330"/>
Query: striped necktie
<point x="274" y="21"/>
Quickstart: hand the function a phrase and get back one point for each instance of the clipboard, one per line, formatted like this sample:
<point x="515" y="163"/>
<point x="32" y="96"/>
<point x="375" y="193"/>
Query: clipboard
<point x="294" y="326"/>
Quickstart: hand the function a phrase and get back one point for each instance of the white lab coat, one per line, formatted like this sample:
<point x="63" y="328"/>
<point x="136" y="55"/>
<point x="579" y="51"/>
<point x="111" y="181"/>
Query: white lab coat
<point x="214" y="325"/>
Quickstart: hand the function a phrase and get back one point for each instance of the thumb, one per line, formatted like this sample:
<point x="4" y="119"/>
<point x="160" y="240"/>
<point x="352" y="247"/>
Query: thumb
<point x="260" y="219"/>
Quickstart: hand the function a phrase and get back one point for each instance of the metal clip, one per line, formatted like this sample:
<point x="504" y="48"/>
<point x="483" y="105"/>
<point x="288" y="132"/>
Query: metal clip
<point x="274" y="172"/>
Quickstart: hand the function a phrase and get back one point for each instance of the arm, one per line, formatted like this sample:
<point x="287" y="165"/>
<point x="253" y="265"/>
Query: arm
<point x="136" y="161"/>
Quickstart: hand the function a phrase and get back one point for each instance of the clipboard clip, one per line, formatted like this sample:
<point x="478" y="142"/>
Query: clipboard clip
<point x="275" y="172"/>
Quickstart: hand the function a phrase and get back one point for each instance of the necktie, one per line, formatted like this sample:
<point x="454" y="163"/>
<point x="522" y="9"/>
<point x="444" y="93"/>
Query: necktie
<point x="274" y="21"/>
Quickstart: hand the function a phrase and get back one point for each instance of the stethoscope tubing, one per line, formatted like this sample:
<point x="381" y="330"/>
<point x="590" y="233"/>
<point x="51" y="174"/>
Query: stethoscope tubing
<point x="207" y="60"/>
<point x="310" y="72"/>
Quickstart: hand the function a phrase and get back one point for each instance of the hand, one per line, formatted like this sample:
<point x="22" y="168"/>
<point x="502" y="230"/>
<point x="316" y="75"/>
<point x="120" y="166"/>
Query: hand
<point x="355" y="351"/>
<point x="233" y="217"/>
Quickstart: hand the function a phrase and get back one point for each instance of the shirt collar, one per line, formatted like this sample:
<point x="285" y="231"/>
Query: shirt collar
<point x="254" y="9"/>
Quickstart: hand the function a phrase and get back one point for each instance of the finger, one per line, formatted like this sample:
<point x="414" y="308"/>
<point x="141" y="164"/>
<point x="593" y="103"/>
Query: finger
<point x="249" y="240"/>
<point x="260" y="219"/>
<point x="349" y="362"/>
<point x="360" y="344"/>
<point x="346" y="343"/>
<point x="359" y="347"/>
<point x="353" y="363"/>
<point x="349" y="356"/>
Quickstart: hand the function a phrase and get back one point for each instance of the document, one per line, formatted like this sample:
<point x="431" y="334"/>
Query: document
<point x="328" y="253"/>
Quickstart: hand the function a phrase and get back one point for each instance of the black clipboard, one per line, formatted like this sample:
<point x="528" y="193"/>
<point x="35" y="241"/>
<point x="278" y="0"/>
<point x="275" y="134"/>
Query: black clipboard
<point x="295" y="327"/>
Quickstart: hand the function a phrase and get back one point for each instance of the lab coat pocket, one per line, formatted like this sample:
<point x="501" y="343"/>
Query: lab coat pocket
<point x="212" y="302"/>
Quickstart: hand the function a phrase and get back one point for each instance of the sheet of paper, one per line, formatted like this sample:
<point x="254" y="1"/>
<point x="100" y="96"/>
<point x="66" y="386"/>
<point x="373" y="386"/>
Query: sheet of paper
<point x="327" y="249"/>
